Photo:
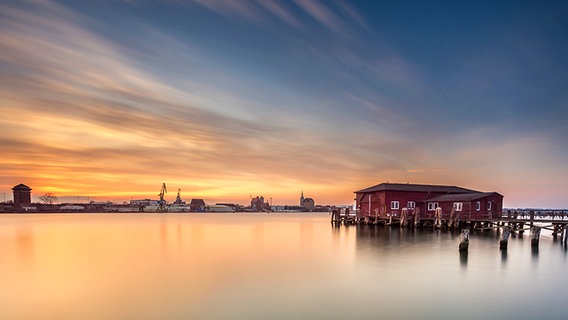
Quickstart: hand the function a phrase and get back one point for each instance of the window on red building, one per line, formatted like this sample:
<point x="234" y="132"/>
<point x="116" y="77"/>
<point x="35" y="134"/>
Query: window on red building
<point x="394" y="205"/>
<point x="458" y="206"/>
<point x="432" y="206"/>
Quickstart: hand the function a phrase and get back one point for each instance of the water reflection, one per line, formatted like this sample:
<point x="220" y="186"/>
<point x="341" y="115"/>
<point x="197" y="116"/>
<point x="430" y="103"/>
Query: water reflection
<point x="263" y="267"/>
<point x="25" y="244"/>
<point x="503" y="255"/>
<point x="383" y="245"/>
<point x="534" y="251"/>
<point x="257" y="231"/>
<point x="463" y="258"/>
<point x="163" y="233"/>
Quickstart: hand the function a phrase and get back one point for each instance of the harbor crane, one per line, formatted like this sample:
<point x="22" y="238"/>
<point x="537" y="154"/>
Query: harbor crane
<point x="162" y="202"/>
<point x="178" y="198"/>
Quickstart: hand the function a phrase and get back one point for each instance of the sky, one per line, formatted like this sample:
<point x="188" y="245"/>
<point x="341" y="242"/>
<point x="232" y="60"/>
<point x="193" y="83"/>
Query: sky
<point x="107" y="100"/>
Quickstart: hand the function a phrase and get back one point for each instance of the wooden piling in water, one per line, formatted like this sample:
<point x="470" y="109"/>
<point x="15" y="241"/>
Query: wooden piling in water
<point x="451" y="221"/>
<point x="503" y="241"/>
<point x="404" y="218"/>
<point x="535" y="235"/>
<point x="555" y="230"/>
<point x="521" y="227"/>
<point x="438" y="218"/>
<point x="335" y="217"/>
<point x="417" y="222"/>
<point x="464" y="240"/>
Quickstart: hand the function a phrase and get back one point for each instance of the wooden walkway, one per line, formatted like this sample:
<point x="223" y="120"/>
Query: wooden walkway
<point x="519" y="218"/>
<point x="509" y="222"/>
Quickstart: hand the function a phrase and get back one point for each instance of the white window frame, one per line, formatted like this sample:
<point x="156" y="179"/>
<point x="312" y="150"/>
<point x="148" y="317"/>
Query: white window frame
<point x="411" y="205"/>
<point x="488" y="205"/>
<point x="458" y="206"/>
<point x="395" y="205"/>
<point x="478" y="206"/>
<point x="432" y="206"/>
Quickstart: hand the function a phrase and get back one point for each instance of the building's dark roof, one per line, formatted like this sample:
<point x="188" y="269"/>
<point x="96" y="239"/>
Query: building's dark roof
<point x="197" y="202"/>
<point x="415" y="188"/>
<point x="461" y="197"/>
<point x="21" y="187"/>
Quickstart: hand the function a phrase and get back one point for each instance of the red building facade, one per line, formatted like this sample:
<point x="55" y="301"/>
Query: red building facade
<point x="483" y="205"/>
<point x="389" y="199"/>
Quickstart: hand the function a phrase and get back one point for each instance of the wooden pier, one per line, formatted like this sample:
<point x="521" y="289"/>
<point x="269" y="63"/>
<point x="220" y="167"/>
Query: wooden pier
<point x="554" y="221"/>
<point x="344" y="216"/>
<point x="510" y="222"/>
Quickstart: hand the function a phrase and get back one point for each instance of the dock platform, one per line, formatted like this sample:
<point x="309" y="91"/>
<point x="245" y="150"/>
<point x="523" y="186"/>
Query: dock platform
<point x="517" y="220"/>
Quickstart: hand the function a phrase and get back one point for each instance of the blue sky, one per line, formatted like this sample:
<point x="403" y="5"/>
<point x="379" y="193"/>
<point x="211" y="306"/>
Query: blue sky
<point x="226" y="99"/>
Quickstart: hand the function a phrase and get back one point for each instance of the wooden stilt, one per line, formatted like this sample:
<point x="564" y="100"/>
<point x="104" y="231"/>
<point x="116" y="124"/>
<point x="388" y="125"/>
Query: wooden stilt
<point x="404" y="218"/>
<point x="535" y="235"/>
<point x="417" y="217"/>
<point x="463" y="257"/>
<point x="335" y="217"/>
<point x="464" y="240"/>
<point x="438" y="218"/>
<point x="503" y="241"/>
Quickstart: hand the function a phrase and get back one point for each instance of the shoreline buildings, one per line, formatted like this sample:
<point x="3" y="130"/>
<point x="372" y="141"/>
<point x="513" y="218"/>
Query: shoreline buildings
<point x="307" y="203"/>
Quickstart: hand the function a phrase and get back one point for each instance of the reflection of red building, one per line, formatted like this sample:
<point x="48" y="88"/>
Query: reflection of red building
<point x="22" y="195"/>
<point x="389" y="199"/>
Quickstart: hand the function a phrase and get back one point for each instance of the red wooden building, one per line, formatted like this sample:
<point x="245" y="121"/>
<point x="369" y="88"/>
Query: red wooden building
<point x="479" y="205"/>
<point x="390" y="199"/>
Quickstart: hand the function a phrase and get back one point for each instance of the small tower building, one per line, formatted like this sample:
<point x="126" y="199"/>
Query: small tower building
<point x="22" y="195"/>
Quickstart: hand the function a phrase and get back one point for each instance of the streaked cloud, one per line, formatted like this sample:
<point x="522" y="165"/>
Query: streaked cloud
<point x="245" y="9"/>
<point x="322" y="14"/>
<point x="280" y="10"/>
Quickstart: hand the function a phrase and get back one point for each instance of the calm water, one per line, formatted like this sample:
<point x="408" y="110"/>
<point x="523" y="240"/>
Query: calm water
<point x="294" y="266"/>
